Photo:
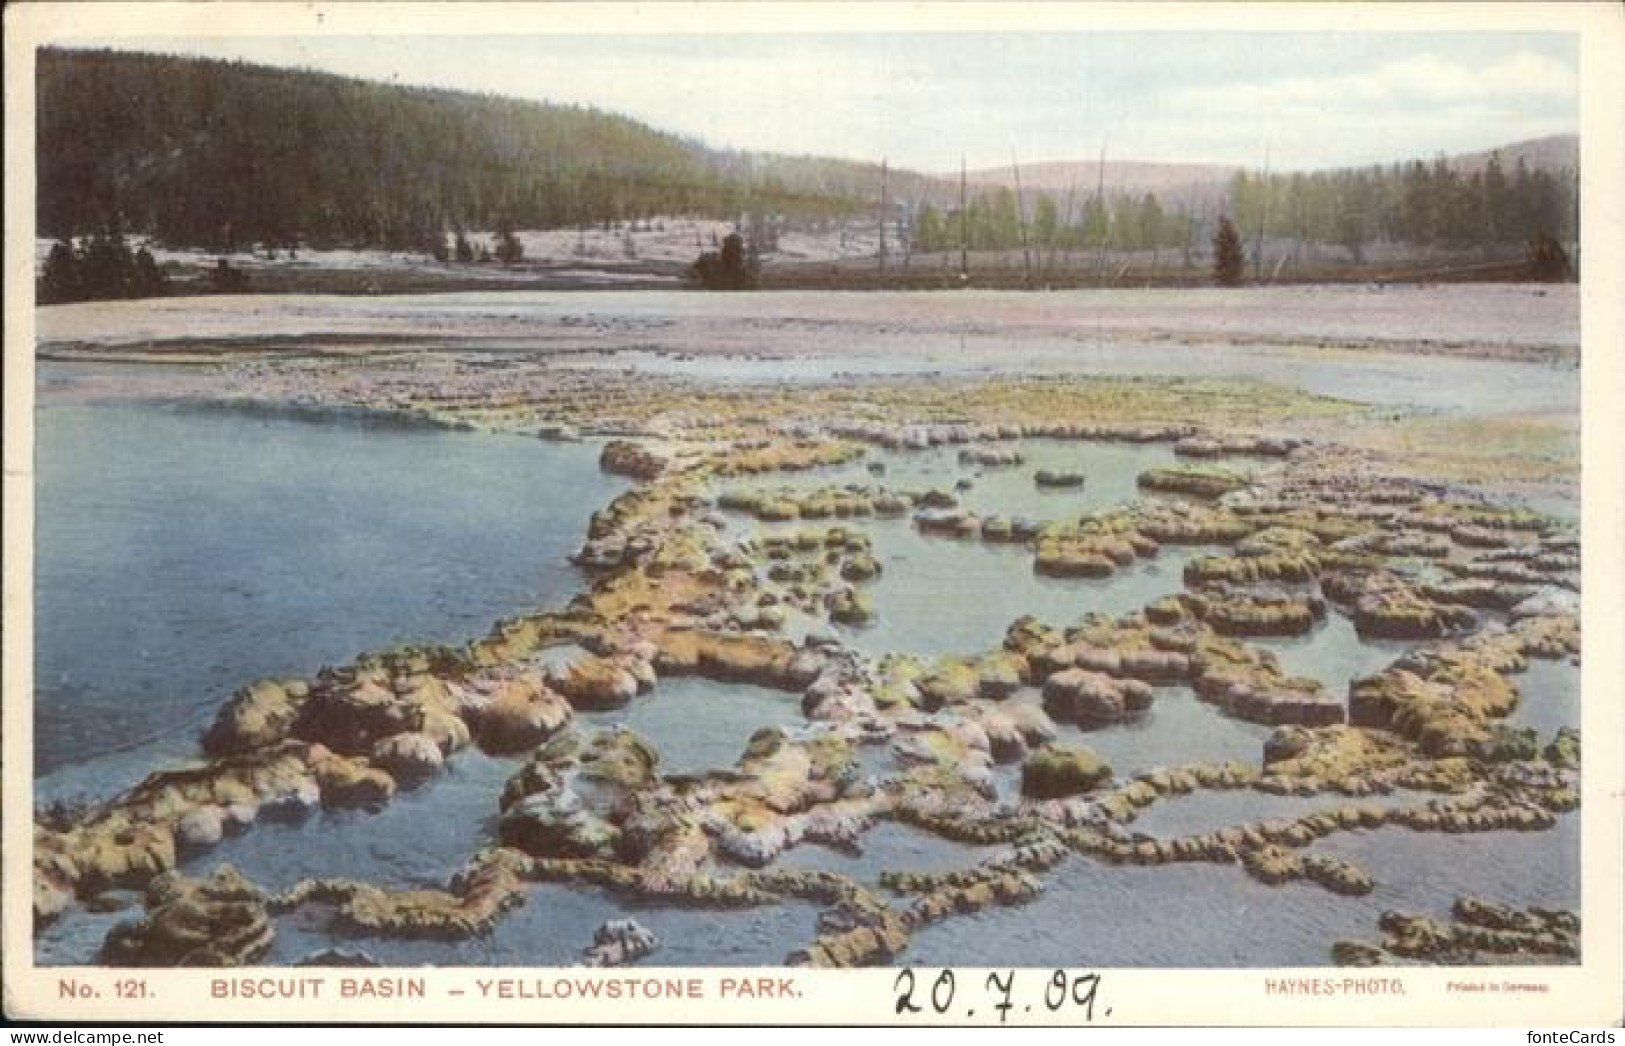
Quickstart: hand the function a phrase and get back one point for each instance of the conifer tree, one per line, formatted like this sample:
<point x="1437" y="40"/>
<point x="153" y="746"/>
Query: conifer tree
<point x="1228" y="261"/>
<point x="508" y="247"/>
<point x="60" y="281"/>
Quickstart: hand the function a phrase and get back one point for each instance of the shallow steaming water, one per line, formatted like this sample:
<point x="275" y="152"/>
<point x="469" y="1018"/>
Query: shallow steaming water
<point x="184" y="553"/>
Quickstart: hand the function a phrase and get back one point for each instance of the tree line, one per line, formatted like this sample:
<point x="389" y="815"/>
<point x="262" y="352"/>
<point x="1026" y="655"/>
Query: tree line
<point x="1412" y="204"/>
<point x="102" y="266"/>
<point x="1415" y="203"/>
<point x="98" y="267"/>
<point x="998" y="220"/>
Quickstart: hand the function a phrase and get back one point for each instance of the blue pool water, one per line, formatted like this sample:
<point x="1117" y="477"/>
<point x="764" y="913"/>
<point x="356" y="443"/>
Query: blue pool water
<point x="182" y="553"/>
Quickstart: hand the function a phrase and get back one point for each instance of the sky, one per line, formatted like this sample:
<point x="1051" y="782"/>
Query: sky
<point x="920" y="100"/>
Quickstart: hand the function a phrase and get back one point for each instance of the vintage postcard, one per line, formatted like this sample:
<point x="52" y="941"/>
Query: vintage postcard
<point x="803" y="513"/>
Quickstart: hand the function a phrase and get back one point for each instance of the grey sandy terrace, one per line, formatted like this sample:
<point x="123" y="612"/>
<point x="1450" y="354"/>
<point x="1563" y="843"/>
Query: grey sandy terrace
<point x="1248" y="660"/>
<point x="999" y="328"/>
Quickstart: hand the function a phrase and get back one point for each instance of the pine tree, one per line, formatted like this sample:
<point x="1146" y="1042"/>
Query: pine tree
<point x="1547" y="260"/>
<point x="727" y="269"/>
<point x="1228" y="261"/>
<point x="929" y="231"/>
<point x="1095" y="222"/>
<point x="1004" y="220"/>
<point x="1046" y="220"/>
<point x="508" y="247"/>
<point x="1151" y="222"/>
<point x="62" y="279"/>
<point x="150" y="281"/>
<point x="106" y="267"/>
<point x="1495" y="200"/>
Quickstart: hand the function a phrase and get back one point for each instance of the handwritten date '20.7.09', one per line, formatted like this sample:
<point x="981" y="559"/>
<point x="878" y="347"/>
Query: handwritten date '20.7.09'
<point x="1062" y="990"/>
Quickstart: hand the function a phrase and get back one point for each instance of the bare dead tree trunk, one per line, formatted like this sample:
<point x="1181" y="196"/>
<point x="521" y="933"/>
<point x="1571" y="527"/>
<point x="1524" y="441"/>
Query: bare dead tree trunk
<point x="1060" y="230"/>
<point x="1263" y="218"/>
<point x="880" y="253"/>
<point x="1105" y="215"/>
<point x="964" y="225"/>
<point x="1021" y="224"/>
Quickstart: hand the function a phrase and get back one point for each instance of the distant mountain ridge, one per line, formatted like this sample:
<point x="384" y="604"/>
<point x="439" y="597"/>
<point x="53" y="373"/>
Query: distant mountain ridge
<point x="1084" y="175"/>
<point x="1554" y="153"/>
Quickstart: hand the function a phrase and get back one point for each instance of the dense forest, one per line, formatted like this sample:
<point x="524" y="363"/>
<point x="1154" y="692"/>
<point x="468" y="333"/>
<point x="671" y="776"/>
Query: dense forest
<point x="217" y="154"/>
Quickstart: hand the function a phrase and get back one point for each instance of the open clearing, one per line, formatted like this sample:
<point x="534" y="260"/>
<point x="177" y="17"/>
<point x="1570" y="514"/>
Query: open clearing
<point x="1521" y="321"/>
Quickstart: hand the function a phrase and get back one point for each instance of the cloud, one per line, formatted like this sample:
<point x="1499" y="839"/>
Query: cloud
<point x="1421" y="79"/>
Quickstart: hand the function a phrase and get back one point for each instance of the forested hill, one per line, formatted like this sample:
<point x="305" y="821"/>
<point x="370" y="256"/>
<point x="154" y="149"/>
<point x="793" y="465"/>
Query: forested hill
<point x="205" y="152"/>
